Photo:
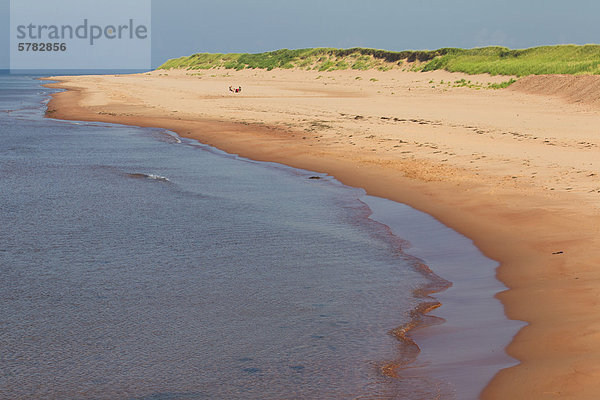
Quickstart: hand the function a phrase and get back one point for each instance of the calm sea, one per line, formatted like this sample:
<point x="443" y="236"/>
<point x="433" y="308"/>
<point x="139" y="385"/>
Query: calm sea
<point x="138" y="265"/>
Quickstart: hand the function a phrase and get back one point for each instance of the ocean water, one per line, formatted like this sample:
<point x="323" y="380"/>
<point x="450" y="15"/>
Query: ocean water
<point x="138" y="265"/>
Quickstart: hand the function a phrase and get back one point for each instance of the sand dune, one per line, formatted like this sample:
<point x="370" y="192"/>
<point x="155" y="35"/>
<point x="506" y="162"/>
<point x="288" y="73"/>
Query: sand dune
<point x="584" y="89"/>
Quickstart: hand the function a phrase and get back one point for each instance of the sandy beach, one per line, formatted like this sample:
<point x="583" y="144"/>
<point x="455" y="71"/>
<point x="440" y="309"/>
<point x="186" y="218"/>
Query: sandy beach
<point x="515" y="170"/>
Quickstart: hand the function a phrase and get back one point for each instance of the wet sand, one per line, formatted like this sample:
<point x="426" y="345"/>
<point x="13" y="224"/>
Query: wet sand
<point x="515" y="172"/>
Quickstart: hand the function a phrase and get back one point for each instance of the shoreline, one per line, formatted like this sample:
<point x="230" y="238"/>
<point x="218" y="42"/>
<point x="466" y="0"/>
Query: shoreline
<point x="543" y="240"/>
<point x="463" y="343"/>
<point x="439" y="313"/>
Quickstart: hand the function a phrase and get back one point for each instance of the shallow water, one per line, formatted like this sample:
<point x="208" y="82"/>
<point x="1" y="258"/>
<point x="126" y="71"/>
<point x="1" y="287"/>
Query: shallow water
<point x="467" y="349"/>
<point x="137" y="265"/>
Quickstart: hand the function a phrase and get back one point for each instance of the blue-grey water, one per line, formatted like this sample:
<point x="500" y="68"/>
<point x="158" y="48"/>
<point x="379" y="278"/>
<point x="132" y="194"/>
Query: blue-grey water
<point x="137" y="265"/>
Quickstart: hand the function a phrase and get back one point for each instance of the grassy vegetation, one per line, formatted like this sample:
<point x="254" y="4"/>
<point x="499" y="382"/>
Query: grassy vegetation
<point x="320" y="59"/>
<point x="472" y="85"/>
<point x="565" y="59"/>
<point x="501" y="85"/>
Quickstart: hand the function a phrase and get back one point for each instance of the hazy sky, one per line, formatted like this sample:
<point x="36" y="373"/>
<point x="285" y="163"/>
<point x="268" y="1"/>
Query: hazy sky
<point x="183" y="27"/>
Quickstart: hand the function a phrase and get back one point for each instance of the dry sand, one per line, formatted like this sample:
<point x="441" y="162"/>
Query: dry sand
<point x="515" y="170"/>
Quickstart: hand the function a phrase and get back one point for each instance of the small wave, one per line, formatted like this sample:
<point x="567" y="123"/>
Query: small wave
<point x="149" y="176"/>
<point x="168" y="137"/>
<point x="158" y="177"/>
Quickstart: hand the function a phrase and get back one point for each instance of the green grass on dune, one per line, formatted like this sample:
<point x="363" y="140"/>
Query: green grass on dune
<point x="321" y="59"/>
<point x="563" y="59"/>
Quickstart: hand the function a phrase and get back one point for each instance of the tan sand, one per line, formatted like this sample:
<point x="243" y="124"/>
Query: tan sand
<point x="515" y="170"/>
